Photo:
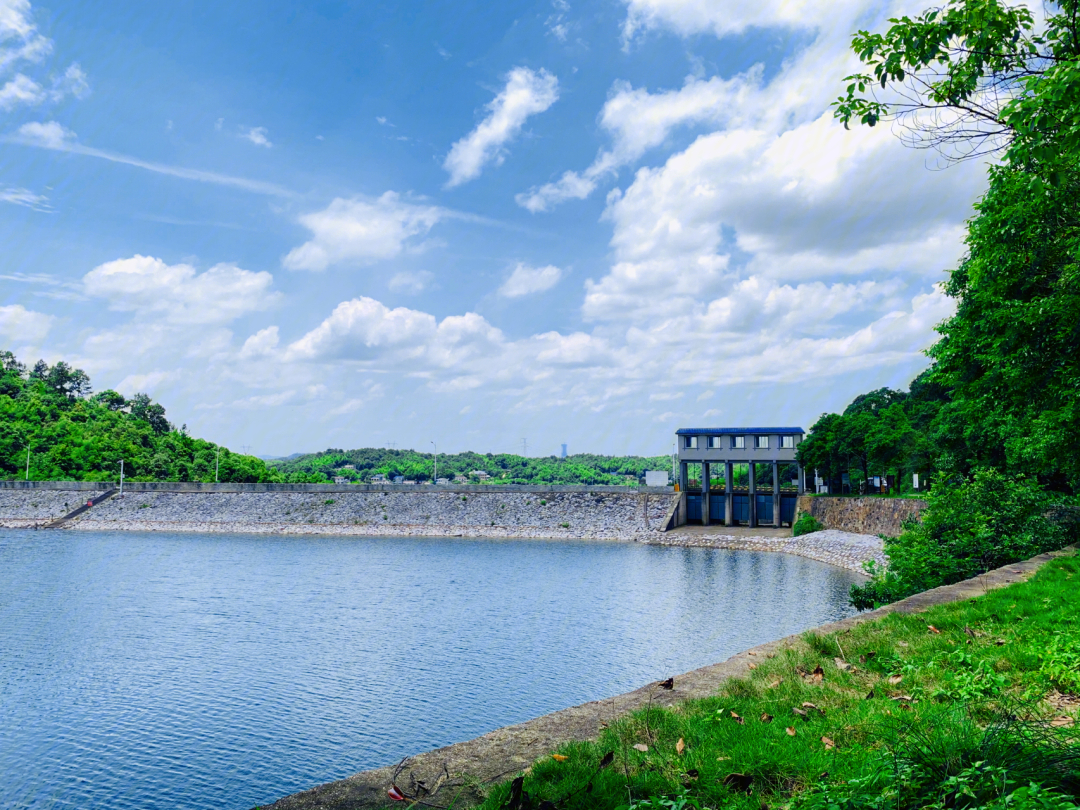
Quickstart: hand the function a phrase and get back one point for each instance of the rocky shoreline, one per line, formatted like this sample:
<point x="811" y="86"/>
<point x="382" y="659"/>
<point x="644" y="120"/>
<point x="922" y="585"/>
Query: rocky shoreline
<point x="843" y="549"/>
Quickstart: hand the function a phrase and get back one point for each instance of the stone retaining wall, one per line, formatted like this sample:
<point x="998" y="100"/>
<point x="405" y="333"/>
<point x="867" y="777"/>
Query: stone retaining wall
<point x="862" y="515"/>
<point x="629" y="514"/>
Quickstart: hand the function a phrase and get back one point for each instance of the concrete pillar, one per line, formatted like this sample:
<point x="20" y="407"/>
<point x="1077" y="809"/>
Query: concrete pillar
<point x="802" y="480"/>
<point x="729" y="496"/>
<point x="704" y="494"/>
<point x="753" y="496"/>
<point x="684" y="478"/>
<point x="776" y="494"/>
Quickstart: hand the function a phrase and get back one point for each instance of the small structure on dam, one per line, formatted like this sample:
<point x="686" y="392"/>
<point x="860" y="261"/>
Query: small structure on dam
<point x="724" y="475"/>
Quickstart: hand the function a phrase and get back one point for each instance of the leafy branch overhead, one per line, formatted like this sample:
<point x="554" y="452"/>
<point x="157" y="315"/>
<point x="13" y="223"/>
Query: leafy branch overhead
<point x="973" y="78"/>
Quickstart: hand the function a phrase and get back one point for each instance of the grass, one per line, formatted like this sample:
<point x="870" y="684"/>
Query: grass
<point x="959" y="706"/>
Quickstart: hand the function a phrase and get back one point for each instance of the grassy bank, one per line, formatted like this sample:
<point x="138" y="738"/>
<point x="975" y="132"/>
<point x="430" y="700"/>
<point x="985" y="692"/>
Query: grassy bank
<point x="965" y="705"/>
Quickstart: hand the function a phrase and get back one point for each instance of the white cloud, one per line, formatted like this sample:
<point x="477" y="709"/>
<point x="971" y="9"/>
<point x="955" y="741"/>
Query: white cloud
<point x="16" y="26"/>
<point x="73" y="83"/>
<point x="178" y="294"/>
<point x="261" y="344"/>
<point x="361" y="232"/>
<point x="410" y="283"/>
<point x="686" y="17"/>
<point x="357" y="328"/>
<point x="526" y="93"/>
<point x="52" y="135"/>
<point x="638" y="121"/>
<point x="526" y="280"/>
<point x="25" y="197"/>
<point x="19" y="324"/>
<point x="48" y="135"/>
<point x="20" y="90"/>
<point x="257" y="135"/>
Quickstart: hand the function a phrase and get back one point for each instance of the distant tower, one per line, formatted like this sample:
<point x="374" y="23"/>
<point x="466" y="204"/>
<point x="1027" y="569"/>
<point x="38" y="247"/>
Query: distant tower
<point x="564" y="451"/>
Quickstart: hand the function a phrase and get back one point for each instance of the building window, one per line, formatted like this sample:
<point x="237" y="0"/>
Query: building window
<point x="738" y="442"/>
<point x="691" y="442"/>
<point x="714" y="442"/>
<point x="787" y="442"/>
<point x="761" y="442"/>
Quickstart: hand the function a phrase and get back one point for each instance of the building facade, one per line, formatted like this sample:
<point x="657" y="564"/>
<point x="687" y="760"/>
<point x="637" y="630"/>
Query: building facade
<point x="731" y="487"/>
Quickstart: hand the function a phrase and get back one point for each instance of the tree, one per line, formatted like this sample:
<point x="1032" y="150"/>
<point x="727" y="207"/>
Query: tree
<point x="972" y="78"/>
<point x="144" y="408"/>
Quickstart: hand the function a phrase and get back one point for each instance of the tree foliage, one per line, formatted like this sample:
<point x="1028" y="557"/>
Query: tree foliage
<point x="48" y="415"/>
<point x="502" y="468"/>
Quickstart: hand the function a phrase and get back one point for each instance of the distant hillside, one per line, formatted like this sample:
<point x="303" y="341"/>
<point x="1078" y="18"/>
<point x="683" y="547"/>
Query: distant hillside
<point x="502" y="468"/>
<point x="51" y="419"/>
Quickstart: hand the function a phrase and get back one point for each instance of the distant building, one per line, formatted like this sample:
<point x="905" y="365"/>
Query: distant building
<point x="340" y="479"/>
<point x="483" y="476"/>
<point x="564" y="451"/>
<point x="379" y="478"/>
<point x="442" y="481"/>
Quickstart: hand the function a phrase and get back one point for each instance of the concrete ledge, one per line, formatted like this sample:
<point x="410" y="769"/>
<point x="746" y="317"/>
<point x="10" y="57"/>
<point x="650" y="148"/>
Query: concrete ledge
<point x="420" y="489"/>
<point x="457" y="769"/>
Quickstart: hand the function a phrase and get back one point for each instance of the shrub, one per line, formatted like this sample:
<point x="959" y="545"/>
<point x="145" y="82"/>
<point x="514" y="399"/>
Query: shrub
<point x="968" y="528"/>
<point x="806" y="524"/>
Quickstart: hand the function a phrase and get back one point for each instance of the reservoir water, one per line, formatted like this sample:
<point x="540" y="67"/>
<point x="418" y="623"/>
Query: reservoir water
<point x="157" y="671"/>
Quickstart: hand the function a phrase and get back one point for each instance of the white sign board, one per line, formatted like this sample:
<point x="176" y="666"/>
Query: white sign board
<point x="656" y="478"/>
<point x="914" y="480"/>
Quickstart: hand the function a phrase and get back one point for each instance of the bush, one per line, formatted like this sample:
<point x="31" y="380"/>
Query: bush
<point x="806" y="524"/>
<point x="968" y="528"/>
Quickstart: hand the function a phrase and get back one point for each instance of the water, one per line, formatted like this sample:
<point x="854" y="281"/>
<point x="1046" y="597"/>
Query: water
<point x="187" y="671"/>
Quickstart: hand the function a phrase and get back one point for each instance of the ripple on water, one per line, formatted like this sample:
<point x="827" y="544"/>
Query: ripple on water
<point x="187" y="671"/>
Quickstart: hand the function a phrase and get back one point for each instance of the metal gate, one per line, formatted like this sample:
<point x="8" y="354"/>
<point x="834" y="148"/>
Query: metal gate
<point x="764" y="509"/>
<point x="740" y="508"/>
<point x="787" y="508"/>
<point x="717" y="508"/>
<point x="693" y="508"/>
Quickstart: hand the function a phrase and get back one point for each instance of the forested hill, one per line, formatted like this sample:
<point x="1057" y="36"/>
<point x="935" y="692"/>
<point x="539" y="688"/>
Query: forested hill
<point x="50" y="416"/>
<point x="503" y="468"/>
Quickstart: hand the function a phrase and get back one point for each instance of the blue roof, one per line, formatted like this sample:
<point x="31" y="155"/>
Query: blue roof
<point x="775" y="431"/>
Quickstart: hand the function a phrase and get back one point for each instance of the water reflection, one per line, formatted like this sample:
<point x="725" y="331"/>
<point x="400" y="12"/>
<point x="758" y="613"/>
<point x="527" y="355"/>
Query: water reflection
<point x="187" y="671"/>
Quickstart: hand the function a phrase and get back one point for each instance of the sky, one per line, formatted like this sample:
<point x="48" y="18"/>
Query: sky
<point x="491" y="227"/>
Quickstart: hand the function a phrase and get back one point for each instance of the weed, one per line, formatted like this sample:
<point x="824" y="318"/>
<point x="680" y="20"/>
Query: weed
<point x="565" y="525"/>
<point x="328" y="502"/>
<point x="806" y="524"/>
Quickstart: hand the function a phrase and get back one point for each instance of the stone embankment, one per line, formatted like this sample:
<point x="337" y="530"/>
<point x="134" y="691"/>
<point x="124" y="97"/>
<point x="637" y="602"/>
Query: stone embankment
<point x="631" y="515"/>
<point x="843" y="549"/>
<point x="862" y="515"/>
<point x="32" y="507"/>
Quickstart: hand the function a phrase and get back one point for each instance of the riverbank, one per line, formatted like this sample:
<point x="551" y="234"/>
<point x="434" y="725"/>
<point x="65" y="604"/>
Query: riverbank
<point x="768" y="723"/>
<point x="844" y="549"/>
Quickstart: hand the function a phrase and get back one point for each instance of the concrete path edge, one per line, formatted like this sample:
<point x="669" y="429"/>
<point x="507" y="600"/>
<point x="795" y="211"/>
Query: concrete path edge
<point x="456" y="774"/>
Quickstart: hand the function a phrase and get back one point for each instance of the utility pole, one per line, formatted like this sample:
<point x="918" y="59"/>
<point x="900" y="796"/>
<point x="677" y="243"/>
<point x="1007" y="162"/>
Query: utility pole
<point x="217" y="464"/>
<point x="435" y="477"/>
<point x="121" y="478"/>
<point x="524" y="448"/>
<point x="27" y="463"/>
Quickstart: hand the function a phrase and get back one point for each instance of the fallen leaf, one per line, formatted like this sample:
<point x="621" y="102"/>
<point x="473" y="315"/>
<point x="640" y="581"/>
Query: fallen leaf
<point x="775" y="683"/>
<point x="902" y="644"/>
<point x="680" y="746"/>
<point x="815" y="708"/>
<point x="668" y="684"/>
<point x="841" y="664"/>
<point x="395" y="794"/>
<point x="790" y="730"/>
<point x="609" y="757"/>
<point x="1061" y="722"/>
<point x="895" y="679"/>
<point x="818" y="675"/>
<point x="559" y="757"/>
<point x="751" y="653"/>
<point x="742" y="782"/>
<point x="766" y="717"/>
<point x="969" y="631"/>
<point x="752" y="666"/>
<point x="823" y="775"/>
<point x="904" y="698"/>
<point x="933" y="630"/>
<point x="999" y="641"/>
<point x="829" y="744"/>
<point x="642" y="747"/>
<point x="799" y="712"/>
<point x="722" y="759"/>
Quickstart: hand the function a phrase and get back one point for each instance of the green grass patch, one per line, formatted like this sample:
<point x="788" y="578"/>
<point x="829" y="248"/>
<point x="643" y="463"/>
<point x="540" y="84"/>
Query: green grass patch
<point x="971" y="704"/>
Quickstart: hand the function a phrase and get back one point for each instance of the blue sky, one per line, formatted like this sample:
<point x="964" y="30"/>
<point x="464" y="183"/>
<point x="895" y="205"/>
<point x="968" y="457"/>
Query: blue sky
<point x="355" y="224"/>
